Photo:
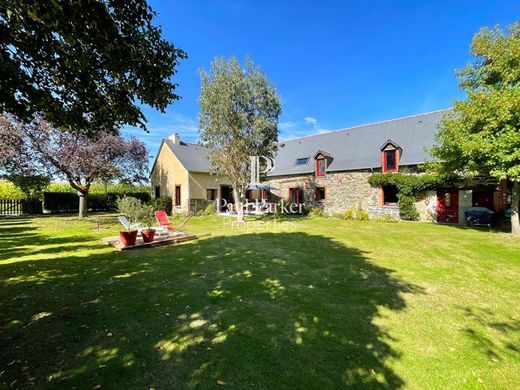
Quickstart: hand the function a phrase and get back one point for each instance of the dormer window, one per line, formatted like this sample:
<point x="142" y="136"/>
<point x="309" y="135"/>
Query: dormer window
<point x="321" y="166"/>
<point x="390" y="155"/>
<point x="322" y="160"/>
<point x="390" y="161"/>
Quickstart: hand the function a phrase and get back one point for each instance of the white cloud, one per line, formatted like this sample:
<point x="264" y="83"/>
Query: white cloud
<point x="284" y="126"/>
<point x="310" y="120"/>
<point x="294" y="129"/>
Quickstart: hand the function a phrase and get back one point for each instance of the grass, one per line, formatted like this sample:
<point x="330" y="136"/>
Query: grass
<point x="307" y="303"/>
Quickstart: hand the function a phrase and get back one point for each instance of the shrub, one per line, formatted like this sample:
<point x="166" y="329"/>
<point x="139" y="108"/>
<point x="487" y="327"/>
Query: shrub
<point x="386" y="219"/>
<point x="9" y="191"/>
<point x="315" y="212"/>
<point x="32" y="206"/>
<point x="146" y="215"/>
<point x="100" y="188"/>
<point x="362" y="215"/>
<point x="31" y="185"/>
<point x="163" y="203"/>
<point x="64" y="202"/>
<point x="60" y="202"/>
<point x="211" y="209"/>
<point x="407" y="209"/>
<point x="348" y="214"/>
<point x="130" y="207"/>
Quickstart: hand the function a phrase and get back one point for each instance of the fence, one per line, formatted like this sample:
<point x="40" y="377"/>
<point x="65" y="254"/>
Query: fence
<point x="12" y="206"/>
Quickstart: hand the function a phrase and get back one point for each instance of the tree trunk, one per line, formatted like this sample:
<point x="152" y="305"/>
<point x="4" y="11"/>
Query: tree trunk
<point x="82" y="204"/>
<point x="515" y="218"/>
<point x="239" y="205"/>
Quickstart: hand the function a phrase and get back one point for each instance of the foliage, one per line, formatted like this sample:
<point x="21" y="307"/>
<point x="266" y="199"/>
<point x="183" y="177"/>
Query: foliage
<point x="100" y="188"/>
<point x="67" y="202"/>
<point x="238" y="119"/>
<point x="315" y="212"/>
<point x="211" y="209"/>
<point x="130" y="207"/>
<point x="163" y="203"/>
<point x="362" y="215"/>
<point x="9" y="139"/>
<point x="33" y="206"/>
<point x="409" y="188"/>
<point x="481" y="136"/>
<point x="85" y="65"/>
<point x="146" y="215"/>
<point x="31" y="185"/>
<point x="9" y="191"/>
<point x="348" y="214"/>
<point x="385" y="219"/>
<point x="75" y="157"/>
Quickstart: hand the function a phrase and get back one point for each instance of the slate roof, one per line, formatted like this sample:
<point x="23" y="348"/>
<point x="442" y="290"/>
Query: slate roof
<point x="350" y="149"/>
<point x="359" y="147"/>
<point x="193" y="157"/>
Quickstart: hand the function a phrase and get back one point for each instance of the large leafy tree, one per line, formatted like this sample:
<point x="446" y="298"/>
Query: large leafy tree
<point x="41" y="149"/>
<point x="238" y="118"/>
<point x="482" y="135"/>
<point x="84" y="64"/>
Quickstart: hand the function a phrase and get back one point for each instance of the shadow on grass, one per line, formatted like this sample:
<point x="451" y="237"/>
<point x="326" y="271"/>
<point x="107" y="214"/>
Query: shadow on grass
<point x="485" y="326"/>
<point x="267" y="310"/>
<point x="21" y="239"/>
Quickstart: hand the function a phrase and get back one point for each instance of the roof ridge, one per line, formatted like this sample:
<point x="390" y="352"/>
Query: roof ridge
<point x="185" y="142"/>
<point x="364" y="125"/>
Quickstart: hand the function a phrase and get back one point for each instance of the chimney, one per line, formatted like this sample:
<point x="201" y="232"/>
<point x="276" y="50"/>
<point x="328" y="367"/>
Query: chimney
<point x="175" y="138"/>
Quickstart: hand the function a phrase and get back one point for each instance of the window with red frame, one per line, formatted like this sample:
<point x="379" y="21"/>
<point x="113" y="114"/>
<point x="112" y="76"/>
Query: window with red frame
<point x="321" y="167"/>
<point x="390" y="161"/>
<point x="296" y="195"/>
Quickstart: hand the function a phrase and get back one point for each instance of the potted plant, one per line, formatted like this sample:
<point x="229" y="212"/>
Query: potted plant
<point x="131" y="208"/>
<point x="147" y="218"/>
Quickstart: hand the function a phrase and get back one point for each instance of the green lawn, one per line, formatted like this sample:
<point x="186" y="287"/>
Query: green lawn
<point x="315" y="303"/>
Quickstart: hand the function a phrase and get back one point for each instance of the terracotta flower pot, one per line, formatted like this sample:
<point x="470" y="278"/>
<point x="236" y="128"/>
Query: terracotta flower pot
<point x="128" y="238"/>
<point x="148" y="234"/>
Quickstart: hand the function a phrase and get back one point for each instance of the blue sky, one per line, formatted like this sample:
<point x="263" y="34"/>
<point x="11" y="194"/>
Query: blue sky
<point x="335" y="64"/>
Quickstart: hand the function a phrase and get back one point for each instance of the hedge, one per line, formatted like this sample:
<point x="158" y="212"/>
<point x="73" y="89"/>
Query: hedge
<point x="66" y="202"/>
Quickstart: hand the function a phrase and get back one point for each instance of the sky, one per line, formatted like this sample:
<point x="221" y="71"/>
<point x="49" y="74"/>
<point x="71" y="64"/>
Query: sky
<point x="335" y="64"/>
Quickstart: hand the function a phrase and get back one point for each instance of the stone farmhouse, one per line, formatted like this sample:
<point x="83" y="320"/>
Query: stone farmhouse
<point x="330" y="170"/>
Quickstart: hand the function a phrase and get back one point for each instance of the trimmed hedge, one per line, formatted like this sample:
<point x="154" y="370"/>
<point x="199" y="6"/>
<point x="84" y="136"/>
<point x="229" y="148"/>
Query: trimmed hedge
<point x="67" y="202"/>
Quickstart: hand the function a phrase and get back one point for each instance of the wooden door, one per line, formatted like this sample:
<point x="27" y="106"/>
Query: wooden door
<point x="448" y="206"/>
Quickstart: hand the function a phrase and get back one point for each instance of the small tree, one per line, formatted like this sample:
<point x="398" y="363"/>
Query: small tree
<point x="75" y="157"/>
<point x="238" y="118"/>
<point x="482" y="135"/>
<point x="32" y="185"/>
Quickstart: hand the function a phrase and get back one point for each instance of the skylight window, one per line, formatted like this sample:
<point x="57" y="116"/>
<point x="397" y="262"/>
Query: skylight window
<point x="302" y="161"/>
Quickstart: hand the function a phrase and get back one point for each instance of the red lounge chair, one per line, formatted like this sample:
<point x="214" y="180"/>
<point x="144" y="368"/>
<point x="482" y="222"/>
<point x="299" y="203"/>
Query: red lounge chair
<point x="165" y="223"/>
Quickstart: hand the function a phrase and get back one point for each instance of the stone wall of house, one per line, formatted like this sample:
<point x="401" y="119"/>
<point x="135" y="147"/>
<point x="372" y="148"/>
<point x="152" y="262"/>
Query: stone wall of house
<point x="343" y="190"/>
<point x="427" y="206"/>
<point x="350" y="190"/>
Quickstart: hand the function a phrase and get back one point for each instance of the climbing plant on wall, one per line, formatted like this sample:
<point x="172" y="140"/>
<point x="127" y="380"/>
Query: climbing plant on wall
<point x="409" y="189"/>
